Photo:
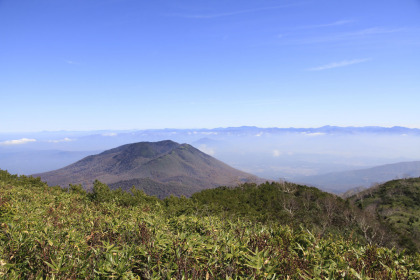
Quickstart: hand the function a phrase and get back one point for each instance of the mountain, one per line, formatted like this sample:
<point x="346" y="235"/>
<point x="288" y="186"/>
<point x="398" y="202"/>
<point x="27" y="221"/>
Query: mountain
<point x="339" y="182"/>
<point x="397" y="204"/>
<point x="159" y="168"/>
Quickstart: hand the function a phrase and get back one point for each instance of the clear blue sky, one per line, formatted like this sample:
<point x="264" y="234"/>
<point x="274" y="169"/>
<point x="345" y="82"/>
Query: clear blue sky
<point x="137" y="64"/>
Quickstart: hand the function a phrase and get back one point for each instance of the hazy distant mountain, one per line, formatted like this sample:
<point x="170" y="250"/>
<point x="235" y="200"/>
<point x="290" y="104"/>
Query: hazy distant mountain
<point x="339" y="182"/>
<point x="159" y="168"/>
<point x="273" y="153"/>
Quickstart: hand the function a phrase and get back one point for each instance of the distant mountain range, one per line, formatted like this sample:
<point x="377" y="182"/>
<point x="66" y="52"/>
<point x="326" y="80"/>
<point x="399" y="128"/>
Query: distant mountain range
<point x="159" y="168"/>
<point x="272" y="153"/>
<point x="339" y="182"/>
<point x="328" y="129"/>
<point x="60" y="138"/>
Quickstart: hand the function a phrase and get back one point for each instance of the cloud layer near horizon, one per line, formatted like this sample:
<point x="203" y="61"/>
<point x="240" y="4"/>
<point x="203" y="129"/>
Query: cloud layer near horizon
<point x="17" y="142"/>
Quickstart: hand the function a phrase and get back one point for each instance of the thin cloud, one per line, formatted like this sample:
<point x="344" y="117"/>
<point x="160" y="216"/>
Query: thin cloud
<point x="376" y="30"/>
<point x="109" y="134"/>
<point x="336" y="23"/>
<point x="60" y="140"/>
<point x="345" y="36"/>
<point x="71" y="62"/>
<point x="314" y="133"/>
<point x="17" y="142"/>
<point x="339" y="64"/>
<point x="233" y="13"/>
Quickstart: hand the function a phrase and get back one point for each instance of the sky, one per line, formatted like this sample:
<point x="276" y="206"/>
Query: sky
<point x="140" y="64"/>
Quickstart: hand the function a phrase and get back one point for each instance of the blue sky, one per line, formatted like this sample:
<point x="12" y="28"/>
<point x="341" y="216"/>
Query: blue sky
<point x="132" y="64"/>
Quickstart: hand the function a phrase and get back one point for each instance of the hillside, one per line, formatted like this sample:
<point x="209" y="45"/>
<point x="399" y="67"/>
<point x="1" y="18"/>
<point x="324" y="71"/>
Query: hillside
<point x="397" y="204"/>
<point x="54" y="233"/>
<point x="339" y="182"/>
<point x="159" y="168"/>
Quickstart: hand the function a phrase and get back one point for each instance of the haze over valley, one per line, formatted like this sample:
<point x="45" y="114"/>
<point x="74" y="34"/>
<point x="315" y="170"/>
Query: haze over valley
<point x="293" y="154"/>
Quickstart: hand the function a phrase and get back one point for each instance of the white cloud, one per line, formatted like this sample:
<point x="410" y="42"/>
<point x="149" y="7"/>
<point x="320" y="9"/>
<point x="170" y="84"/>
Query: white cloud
<point x="17" y="142"/>
<point x="339" y="64"/>
<point x="276" y="153"/>
<point x="60" y="140"/>
<point x="110" y="134"/>
<point x="314" y="133"/>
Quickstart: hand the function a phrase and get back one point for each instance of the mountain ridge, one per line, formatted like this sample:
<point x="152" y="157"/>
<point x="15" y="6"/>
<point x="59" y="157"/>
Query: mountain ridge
<point x="347" y="180"/>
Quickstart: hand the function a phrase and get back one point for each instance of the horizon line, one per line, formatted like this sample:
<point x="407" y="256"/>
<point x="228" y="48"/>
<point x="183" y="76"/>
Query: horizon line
<point x="204" y="128"/>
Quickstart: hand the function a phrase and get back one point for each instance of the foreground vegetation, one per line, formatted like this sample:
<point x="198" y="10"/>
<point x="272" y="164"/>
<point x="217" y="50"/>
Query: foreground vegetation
<point x="49" y="232"/>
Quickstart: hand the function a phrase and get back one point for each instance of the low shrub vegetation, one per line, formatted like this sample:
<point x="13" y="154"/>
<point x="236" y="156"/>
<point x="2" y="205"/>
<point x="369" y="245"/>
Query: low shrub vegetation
<point x="53" y="233"/>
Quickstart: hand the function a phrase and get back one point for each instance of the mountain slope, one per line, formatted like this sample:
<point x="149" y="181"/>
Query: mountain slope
<point x="159" y="168"/>
<point x="397" y="204"/>
<point x="342" y="181"/>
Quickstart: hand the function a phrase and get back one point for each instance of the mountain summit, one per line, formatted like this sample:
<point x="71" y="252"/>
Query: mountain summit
<point x="159" y="168"/>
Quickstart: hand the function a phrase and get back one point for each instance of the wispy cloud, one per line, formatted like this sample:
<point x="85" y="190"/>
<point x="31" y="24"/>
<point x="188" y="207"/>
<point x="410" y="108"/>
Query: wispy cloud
<point x="60" y="140"/>
<point x="336" y="23"/>
<point x="71" y="62"/>
<point x="376" y="31"/>
<point x="17" y="142"/>
<point x="339" y="64"/>
<point x="341" y="36"/>
<point x="233" y="13"/>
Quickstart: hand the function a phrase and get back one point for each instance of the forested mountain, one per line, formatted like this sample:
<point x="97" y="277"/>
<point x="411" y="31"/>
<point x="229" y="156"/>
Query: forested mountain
<point x="224" y="233"/>
<point x="159" y="168"/>
<point x="397" y="205"/>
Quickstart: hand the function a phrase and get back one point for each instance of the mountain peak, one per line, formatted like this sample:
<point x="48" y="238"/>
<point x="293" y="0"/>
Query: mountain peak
<point x="144" y="149"/>
<point x="159" y="168"/>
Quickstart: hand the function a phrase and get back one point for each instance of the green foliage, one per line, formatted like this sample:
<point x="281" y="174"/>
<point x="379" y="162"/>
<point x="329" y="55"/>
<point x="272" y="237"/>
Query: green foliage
<point x="397" y="204"/>
<point x="49" y="233"/>
<point x="77" y="189"/>
<point x="284" y="203"/>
